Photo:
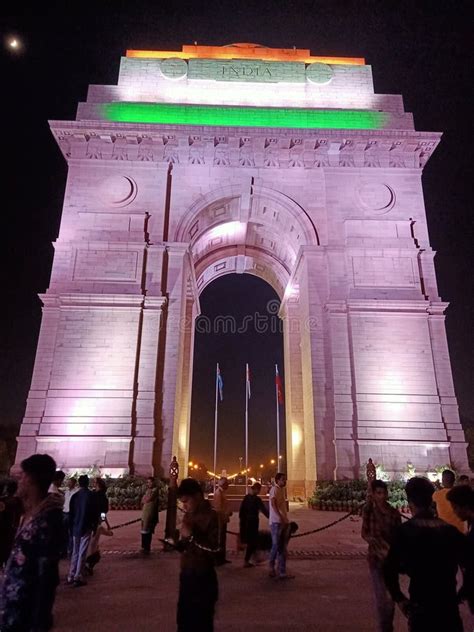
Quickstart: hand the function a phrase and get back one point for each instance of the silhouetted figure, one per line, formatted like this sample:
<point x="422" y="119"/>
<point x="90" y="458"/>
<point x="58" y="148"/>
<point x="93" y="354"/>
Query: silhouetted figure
<point x="278" y="522"/>
<point x="429" y="551"/>
<point x="171" y="533"/>
<point x="71" y="489"/>
<point x="252" y="505"/>
<point x="198" y="588"/>
<point x="379" y="524"/>
<point x="444" y="508"/>
<point x="56" y="484"/>
<point x="150" y="513"/>
<point x="84" y="516"/>
<point x="221" y="505"/>
<point x="102" y="507"/>
<point x="11" y="509"/>
<point x="461" y="498"/>
<point x="31" y="573"/>
<point x="371" y="472"/>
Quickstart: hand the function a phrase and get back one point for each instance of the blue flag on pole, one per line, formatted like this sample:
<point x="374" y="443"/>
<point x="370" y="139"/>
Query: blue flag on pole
<point x="220" y="384"/>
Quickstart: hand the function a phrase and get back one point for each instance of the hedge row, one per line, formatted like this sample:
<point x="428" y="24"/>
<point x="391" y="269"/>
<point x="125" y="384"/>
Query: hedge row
<point x="127" y="492"/>
<point x="351" y="495"/>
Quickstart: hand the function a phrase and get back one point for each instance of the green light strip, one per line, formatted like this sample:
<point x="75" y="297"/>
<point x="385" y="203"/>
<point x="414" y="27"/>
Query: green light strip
<point x="242" y="116"/>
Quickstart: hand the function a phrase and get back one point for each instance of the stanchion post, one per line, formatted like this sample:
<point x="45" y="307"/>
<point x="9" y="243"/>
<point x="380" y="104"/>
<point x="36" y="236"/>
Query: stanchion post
<point x="371" y="472"/>
<point x="171" y="533"/>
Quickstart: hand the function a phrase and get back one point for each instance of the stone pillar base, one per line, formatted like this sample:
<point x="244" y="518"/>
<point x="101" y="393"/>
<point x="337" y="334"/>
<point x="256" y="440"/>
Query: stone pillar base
<point x="300" y="489"/>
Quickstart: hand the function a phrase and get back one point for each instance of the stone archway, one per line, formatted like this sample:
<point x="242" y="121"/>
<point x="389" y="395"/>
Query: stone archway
<point x="164" y="197"/>
<point x="261" y="232"/>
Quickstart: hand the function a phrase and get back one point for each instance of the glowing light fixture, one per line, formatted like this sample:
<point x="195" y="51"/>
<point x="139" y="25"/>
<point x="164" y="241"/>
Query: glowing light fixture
<point x="234" y="116"/>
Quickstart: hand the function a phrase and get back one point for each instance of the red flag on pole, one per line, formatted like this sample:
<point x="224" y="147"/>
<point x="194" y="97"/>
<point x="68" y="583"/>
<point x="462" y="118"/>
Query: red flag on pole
<point x="279" y="386"/>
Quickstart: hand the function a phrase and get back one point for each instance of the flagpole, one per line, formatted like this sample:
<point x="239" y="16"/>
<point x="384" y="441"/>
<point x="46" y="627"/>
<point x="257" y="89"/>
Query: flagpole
<point x="215" y="426"/>
<point x="277" y="418"/>
<point x="246" y="427"/>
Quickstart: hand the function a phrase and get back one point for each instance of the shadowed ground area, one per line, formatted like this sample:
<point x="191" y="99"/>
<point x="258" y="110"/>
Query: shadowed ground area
<point x="330" y="593"/>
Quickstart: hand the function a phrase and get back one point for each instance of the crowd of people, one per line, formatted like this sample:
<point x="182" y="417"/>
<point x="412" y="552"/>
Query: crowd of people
<point x="431" y="548"/>
<point x="39" y="525"/>
<point x="43" y="520"/>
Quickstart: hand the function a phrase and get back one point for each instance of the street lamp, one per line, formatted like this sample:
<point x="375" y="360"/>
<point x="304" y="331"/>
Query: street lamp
<point x="272" y="462"/>
<point x="241" y="458"/>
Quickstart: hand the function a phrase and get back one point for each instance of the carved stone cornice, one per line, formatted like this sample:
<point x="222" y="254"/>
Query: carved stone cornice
<point x="89" y="301"/>
<point x="243" y="147"/>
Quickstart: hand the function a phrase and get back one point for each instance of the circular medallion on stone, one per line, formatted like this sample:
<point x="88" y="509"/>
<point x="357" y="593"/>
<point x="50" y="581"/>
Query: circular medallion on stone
<point x="174" y="68"/>
<point x="376" y="197"/>
<point x="117" y="191"/>
<point x="319" y="73"/>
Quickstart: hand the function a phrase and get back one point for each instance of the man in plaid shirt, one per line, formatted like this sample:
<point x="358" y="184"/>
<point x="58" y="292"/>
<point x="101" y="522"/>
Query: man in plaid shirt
<point x="379" y="523"/>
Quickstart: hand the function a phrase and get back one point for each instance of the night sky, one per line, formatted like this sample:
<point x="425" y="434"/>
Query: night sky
<point x="422" y="50"/>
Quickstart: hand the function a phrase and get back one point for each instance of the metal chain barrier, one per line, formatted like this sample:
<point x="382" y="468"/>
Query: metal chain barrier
<point x="134" y="521"/>
<point x="124" y="524"/>
<point x="331" y="524"/>
<point x="299" y="535"/>
<point x="326" y="526"/>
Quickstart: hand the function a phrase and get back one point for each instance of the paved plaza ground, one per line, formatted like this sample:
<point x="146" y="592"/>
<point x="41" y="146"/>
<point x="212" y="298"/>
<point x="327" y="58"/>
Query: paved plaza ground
<point x="129" y="593"/>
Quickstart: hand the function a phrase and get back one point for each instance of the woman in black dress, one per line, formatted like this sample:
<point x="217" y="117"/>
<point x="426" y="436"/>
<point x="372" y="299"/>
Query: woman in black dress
<point x="252" y="505"/>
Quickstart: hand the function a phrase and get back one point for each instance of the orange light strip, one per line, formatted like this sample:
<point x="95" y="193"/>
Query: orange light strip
<point x="246" y="52"/>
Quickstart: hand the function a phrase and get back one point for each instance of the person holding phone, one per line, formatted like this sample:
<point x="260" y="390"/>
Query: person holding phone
<point x="199" y="546"/>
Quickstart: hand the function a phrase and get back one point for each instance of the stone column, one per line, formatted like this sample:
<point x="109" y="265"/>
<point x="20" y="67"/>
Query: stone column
<point x="36" y="403"/>
<point x="146" y="386"/>
<point x="173" y="353"/>
<point x="347" y="462"/>
<point x="295" y="450"/>
<point x="444" y="381"/>
<point x="316" y="370"/>
<point x="183" y="405"/>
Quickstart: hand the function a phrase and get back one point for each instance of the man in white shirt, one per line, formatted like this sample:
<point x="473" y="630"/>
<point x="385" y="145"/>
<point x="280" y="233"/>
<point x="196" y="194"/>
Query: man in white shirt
<point x="71" y="489"/>
<point x="278" y="521"/>
<point x="222" y="506"/>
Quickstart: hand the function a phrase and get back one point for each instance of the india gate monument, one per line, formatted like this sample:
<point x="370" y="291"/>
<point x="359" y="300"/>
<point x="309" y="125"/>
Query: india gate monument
<point x="250" y="160"/>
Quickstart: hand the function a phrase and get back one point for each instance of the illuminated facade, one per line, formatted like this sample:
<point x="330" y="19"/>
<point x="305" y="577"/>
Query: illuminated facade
<point x="244" y="159"/>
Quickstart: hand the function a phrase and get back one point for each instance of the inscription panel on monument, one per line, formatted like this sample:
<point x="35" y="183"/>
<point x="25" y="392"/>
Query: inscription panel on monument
<point x="246" y="70"/>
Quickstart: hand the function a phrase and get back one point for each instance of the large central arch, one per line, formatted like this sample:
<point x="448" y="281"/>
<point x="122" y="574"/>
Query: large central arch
<point x="258" y="231"/>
